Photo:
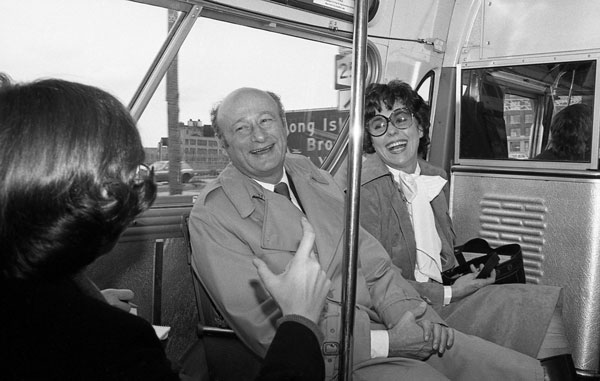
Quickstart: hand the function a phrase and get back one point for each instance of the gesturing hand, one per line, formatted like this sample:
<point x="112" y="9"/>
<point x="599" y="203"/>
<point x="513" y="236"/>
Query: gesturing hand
<point x="302" y="288"/>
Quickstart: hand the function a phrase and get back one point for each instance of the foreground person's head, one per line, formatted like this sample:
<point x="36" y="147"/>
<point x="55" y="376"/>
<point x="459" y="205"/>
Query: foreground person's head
<point x="69" y="179"/>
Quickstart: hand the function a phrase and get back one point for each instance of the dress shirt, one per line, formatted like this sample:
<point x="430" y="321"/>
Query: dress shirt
<point x="284" y="179"/>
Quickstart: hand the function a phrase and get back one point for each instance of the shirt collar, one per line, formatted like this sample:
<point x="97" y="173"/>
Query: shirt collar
<point x="396" y="172"/>
<point x="271" y="187"/>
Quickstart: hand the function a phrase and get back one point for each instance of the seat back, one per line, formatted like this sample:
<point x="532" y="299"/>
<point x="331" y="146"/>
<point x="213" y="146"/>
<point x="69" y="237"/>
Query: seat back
<point x="228" y="359"/>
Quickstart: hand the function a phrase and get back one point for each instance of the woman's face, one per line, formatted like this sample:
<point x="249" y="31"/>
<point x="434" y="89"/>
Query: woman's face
<point x="398" y="148"/>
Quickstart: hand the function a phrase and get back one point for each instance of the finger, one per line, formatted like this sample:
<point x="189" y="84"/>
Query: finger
<point x="450" y="341"/>
<point x="306" y="243"/>
<point x="443" y="337"/>
<point x="265" y="274"/>
<point x="437" y="336"/>
<point x="124" y="294"/>
<point x="322" y="282"/>
<point x="125" y="306"/>
<point x="117" y="294"/>
<point x="427" y="329"/>
<point x="324" y="286"/>
<point x="473" y="268"/>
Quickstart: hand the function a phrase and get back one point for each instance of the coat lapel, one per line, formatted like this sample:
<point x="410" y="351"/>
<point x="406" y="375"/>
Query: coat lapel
<point x="281" y="229"/>
<point x="373" y="168"/>
<point x="324" y="206"/>
<point x="325" y="213"/>
<point x="280" y="219"/>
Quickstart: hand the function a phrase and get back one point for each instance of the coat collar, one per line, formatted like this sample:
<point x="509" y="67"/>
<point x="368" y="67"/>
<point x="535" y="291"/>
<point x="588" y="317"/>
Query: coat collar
<point x="281" y="228"/>
<point x="374" y="168"/>
<point x="241" y="189"/>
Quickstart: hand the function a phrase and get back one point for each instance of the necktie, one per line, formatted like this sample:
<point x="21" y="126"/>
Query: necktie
<point x="283" y="190"/>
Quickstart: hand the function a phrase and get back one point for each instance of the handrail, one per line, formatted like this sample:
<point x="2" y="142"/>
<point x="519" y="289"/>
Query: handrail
<point x="359" y="48"/>
<point x="163" y="60"/>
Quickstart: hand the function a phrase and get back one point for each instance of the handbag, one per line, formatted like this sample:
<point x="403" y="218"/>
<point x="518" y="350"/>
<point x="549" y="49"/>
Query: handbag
<point x="509" y="270"/>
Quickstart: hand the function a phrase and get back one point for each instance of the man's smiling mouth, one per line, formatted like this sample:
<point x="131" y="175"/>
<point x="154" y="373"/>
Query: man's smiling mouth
<point x="263" y="150"/>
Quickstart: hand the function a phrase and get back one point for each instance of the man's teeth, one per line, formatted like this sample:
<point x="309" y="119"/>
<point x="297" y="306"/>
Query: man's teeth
<point x="261" y="150"/>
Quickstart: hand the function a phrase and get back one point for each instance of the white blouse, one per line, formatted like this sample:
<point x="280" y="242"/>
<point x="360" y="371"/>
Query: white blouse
<point x="419" y="190"/>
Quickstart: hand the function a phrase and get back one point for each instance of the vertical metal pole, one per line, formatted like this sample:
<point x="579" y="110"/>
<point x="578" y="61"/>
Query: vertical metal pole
<point x="359" y="50"/>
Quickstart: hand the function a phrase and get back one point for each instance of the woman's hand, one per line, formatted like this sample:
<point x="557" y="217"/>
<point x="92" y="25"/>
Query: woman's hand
<point x="468" y="284"/>
<point x="302" y="288"/>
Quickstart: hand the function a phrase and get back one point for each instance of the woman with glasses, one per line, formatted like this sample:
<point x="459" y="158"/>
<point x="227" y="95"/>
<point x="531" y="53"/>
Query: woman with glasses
<point x="404" y="204"/>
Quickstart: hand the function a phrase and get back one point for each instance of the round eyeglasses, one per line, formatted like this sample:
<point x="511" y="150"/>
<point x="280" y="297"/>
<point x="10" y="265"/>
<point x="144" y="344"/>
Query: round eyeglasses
<point x="399" y="118"/>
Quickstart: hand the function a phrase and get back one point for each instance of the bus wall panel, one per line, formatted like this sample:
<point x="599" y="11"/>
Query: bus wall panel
<point x="556" y="222"/>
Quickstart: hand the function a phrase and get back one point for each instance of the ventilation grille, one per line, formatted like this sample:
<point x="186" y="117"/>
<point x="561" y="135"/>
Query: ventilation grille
<point x="510" y="219"/>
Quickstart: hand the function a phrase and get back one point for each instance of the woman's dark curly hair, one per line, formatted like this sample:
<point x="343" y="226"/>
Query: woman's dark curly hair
<point x="67" y="188"/>
<point x="388" y="94"/>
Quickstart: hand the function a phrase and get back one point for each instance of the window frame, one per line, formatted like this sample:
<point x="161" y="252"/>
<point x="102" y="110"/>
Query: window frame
<point x="529" y="164"/>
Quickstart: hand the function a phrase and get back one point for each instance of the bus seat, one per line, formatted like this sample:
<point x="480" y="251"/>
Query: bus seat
<point x="228" y="359"/>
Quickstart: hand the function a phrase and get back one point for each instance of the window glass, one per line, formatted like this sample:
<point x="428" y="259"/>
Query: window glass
<point x="516" y="112"/>
<point x="112" y="43"/>
<point x="209" y="66"/>
<point x="82" y="41"/>
<point x="425" y="87"/>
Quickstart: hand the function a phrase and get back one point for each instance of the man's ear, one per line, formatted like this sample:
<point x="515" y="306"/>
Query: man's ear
<point x="223" y="142"/>
<point x="285" y="126"/>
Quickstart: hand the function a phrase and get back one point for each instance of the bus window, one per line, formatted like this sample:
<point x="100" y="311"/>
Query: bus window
<point x="425" y="87"/>
<point x="62" y="39"/>
<point x="218" y="57"/>
<point x="507" y="112"/>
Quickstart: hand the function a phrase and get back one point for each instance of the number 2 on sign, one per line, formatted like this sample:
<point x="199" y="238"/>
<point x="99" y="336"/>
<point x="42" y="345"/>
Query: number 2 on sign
<point x="345" y="70"/>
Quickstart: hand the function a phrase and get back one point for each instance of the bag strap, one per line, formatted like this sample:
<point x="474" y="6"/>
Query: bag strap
<point x="460" y="258"/>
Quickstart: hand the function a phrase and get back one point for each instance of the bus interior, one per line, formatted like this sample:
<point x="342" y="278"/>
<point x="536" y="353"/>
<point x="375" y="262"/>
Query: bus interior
<point x="494" y="73"/>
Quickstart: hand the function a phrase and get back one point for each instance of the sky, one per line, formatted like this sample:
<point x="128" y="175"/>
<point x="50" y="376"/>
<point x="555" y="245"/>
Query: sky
<point x="111" y="43"/>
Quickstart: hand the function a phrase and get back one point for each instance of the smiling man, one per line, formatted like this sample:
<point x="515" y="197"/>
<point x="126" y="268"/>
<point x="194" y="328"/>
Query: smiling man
<point x="242" y="216"/>
<point x="250" y="126"/>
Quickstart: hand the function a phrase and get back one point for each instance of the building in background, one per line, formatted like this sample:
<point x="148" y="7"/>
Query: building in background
<point x="199" y="147"/>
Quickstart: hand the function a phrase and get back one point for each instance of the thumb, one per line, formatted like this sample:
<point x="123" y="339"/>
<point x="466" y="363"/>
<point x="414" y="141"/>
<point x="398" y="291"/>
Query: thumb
<point x="265" y="274"/>
<point x="123" y="294"/>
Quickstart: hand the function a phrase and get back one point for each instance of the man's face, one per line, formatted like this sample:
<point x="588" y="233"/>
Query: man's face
<point x="255" y="134"/>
